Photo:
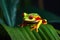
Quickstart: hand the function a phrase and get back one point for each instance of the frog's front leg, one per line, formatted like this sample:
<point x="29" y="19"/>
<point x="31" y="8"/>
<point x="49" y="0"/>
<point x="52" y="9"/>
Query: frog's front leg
<point x="38" y="25"/>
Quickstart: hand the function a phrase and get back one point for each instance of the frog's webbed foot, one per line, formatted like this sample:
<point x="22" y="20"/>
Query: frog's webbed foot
<point x="33" y="28"/>
<point x="21" y="25"/>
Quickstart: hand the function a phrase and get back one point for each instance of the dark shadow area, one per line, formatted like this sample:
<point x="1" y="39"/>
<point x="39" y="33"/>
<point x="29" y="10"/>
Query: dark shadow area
<point x="3" y="34"/>
<point x="59" y="34"/>
<point x="56" y="25"/>
<point x="52" y="6"/>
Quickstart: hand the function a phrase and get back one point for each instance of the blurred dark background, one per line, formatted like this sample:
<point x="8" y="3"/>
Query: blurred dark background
<point x="49" y="5"/>
<point x="52" y="6"/>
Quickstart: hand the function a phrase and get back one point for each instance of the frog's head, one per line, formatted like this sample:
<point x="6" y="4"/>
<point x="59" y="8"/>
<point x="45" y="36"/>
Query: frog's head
<point x="30" y="17"/>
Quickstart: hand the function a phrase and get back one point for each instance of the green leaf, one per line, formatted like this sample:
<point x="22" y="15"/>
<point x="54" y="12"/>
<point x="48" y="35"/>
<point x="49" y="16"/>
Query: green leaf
<point x="18" y="33"/>
<point x="58" y="31"/>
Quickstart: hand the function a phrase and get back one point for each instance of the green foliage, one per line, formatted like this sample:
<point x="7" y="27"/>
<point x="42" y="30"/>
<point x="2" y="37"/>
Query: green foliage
<point x="46" y="32"/>
<point x="58" y="31"/>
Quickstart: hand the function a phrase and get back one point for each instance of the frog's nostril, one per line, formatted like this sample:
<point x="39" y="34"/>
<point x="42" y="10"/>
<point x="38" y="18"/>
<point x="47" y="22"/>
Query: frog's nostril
<point x="30" y="17"/>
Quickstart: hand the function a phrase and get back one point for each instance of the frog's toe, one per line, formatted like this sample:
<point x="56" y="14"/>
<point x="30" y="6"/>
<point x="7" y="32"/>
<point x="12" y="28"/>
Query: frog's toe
<point x="32" y="29"/>
<point x="36" y="30"/>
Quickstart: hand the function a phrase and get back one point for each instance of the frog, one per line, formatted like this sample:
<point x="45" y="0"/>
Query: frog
<point x="33" y="19"/>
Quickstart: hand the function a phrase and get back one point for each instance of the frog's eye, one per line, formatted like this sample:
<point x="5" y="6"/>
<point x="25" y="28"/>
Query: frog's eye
<point x="30" y="17"/>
